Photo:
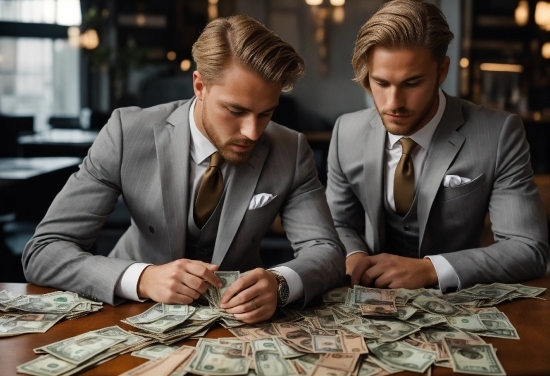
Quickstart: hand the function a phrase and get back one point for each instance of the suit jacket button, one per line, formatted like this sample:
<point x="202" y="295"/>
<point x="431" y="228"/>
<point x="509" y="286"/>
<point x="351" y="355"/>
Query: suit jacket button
<point x="407" y="228"/>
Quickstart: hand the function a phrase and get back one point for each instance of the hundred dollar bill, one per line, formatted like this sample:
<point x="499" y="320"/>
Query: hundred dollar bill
<point x="439" y="333"/>
<point x="405" y="312"/>
<point x="368" y="369"/>
<point x="219" y="360"/>
<point x="375" y="302"/>
<point x="308" y="362"/>
<point x="474" y="359"/>
<point x="155" y="351"/>
<point x="528" y="291"/>
<point x="403" y="356"/>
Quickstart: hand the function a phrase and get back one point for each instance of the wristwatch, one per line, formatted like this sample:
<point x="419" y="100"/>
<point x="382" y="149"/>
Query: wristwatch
<point x="283" y="292"/>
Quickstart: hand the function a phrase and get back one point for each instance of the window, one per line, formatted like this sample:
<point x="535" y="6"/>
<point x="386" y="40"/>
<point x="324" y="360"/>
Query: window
<point x="39" y="76"/>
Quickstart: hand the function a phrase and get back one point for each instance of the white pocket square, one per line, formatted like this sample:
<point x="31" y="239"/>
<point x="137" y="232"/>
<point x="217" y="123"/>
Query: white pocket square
<point x="452" y="181"/>
<point x="260" y="200"/>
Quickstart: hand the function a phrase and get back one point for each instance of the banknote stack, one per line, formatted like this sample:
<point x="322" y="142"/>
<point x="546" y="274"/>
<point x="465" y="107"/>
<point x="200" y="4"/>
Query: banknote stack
<point x="168" y="323"/>
<point x="75" y="354"/>
<point x="38" y="313"/>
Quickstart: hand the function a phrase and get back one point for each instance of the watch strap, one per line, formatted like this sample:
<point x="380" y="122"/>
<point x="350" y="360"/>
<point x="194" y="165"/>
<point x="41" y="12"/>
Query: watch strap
<point x="283" y="292"/>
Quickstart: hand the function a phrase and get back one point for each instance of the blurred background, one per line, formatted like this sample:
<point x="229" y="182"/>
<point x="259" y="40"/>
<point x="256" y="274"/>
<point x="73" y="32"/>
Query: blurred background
<point x="65" y="65"/>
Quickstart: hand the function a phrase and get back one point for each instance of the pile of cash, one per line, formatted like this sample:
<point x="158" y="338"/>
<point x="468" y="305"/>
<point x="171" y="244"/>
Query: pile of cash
<point x="356" y="332"/>
<point x="38" y="313"/>
<point x="73" y="355"/>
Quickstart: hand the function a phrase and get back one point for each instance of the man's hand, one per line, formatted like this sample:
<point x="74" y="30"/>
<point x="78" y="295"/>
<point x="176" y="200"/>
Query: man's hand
<point x="391" y="271"/>
<point x="178" y="282"/>
<point x="253" y="297"/>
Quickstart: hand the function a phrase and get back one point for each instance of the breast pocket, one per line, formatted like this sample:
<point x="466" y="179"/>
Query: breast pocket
<point x="448" y="193"/>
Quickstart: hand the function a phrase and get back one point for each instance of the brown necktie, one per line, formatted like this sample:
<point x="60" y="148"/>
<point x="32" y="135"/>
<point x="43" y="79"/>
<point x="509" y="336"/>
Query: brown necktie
<point x="210" y="190"/>
<point x="403" y="182"/>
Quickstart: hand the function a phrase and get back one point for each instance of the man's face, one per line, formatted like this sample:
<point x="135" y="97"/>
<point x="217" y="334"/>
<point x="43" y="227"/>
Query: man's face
<point x="404" y="85"/>
<point x="234" y="111"/>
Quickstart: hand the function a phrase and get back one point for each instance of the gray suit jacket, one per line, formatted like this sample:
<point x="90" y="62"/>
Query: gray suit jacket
<point x="471" y="141"/>
<point x="143" y="154"/>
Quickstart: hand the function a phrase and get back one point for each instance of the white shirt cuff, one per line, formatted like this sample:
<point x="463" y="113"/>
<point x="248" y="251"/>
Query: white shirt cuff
<point x="446" y="274"/>
<point x="295" y="285"/>
<point x="126" y="286"/>
<point x="354" y="252"/>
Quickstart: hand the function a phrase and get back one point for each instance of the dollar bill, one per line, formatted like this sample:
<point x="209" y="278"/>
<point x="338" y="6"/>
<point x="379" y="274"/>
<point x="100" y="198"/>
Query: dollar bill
<point x="375" y="302"/>
<point x="471" y="323"/>
<point x="219" y="360"/>
<point x="337" y="295"/>
<point x="82" y="348"/>
<point x="344" y="362"/>
<point x="473" y="359"/>
<point x="173" y="363"/>
<point x="28" y="323"/>
<point x="46" y="365"/>
<point x="155" y="351"/>
<point x="152" y="314"/>
<point x="327" y="344"/>
<point x="271" y="363"/>
<point x="403" y="356"/>
<point x="436" y="306"/>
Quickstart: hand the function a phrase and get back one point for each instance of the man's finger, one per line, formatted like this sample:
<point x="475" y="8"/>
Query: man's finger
<point x="372" y="274"/>
<point x="239" y="292"/>
<point x="203" y="272"/>
<point x="359" y="269"/>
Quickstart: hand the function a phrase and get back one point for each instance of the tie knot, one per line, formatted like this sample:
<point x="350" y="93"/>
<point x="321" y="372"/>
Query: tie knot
<point x="216" y="160"/>
<point x="407" y="144"/>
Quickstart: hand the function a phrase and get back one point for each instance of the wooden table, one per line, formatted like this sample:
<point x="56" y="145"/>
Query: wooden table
<point x="529" y="356"/>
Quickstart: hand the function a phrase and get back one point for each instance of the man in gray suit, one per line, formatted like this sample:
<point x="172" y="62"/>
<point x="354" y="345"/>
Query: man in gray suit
<point x="410" y="182"/>
<point x="204" y="180"/>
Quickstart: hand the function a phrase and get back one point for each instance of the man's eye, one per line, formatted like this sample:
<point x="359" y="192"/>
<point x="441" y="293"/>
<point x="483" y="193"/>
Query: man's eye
<point x="381" y="84"/>
<point x="235" y="113"/>
<point x="412" y="84"/>
<point x="266" y="114"/>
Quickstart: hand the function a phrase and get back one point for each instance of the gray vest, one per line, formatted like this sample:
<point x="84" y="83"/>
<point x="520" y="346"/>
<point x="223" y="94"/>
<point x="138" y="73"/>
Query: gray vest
<point x="402" y="235"/>
<point x="200" y="242"/>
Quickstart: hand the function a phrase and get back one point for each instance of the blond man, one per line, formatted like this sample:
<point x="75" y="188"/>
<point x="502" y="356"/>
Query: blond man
<point x="410" y="181"/>
<point x="203" y="179"/>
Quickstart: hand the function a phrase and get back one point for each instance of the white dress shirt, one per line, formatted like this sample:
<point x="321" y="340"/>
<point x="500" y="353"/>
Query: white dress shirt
<point x="446" y="275"/>
<point x="200" y="150"/>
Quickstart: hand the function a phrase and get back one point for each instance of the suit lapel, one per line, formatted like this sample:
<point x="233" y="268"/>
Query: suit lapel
<point x="172" y="140"/>
<point x="240" y="189"/>
<point x="445" y="145"/>
<point x="373" y="179"/>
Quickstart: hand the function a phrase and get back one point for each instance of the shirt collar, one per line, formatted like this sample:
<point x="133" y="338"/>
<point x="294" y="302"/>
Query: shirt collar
<point x="423" y="137"/>
<point x="201" y="147"/>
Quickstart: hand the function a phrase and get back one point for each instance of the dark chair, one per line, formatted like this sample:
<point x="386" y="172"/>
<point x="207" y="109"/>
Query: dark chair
<point x="12" y="127"/>
<point x="64" y="122"/>
<point x="98" y="119"/>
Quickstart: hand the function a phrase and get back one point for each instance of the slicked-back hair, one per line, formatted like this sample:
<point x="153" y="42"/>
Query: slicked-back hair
<point x="401" y="24"/>
<point x="244" y="40"/>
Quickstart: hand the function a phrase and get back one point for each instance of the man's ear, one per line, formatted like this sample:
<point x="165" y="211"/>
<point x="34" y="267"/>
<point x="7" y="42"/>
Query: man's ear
<point x="198" y="85"/>
<point x="443" y="70"/>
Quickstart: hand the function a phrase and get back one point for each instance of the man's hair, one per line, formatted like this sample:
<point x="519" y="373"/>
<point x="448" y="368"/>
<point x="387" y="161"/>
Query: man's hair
<point x="401" y="24"/>
<point x="250" y="44"/>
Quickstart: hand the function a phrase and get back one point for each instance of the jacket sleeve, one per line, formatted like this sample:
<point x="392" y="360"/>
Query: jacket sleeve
<point x="319" y="254"/>
<point x="57" y="255"/>
<point x="518" y="219"/>
<point x="346" y="209"/>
